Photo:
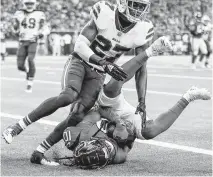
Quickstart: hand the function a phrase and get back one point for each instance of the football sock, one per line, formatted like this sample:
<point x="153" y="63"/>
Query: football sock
<point x="30" y="81"/>
<point x="179" y="106"/>
<point x="43" y="147"/>
<point x="23" y="123"/>
<point x="166" y="119"/>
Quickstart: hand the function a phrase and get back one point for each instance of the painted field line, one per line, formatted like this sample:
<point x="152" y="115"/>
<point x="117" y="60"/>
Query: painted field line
<point x="180" y="77"/>
<point x="150" y="142"/>
<point x="58" y="83"/>
<point x="148" y="66"/>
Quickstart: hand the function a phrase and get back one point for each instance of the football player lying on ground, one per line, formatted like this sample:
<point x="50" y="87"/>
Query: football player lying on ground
<point x="111" y="31"/>
<point x="121" y="110"/>
<point x="159" y="46"/>
<point x="97" y="142"/>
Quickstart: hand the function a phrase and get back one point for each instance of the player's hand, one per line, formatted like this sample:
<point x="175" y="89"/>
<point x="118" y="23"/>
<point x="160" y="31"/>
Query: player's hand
<point x="141" y="109"/>
<point x="113" y="70"/>
<point x="161" y="45"/>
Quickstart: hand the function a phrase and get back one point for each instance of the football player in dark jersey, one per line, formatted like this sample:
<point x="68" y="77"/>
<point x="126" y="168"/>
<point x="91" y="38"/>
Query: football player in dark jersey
<point x="196" y="28"/>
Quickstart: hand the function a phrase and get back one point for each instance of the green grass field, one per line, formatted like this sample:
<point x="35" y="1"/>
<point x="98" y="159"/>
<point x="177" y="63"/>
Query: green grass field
<point x="184" y="150"/>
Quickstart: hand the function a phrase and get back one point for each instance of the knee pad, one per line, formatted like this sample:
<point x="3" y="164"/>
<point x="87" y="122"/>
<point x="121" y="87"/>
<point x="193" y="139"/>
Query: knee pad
<point x="67" y="96"/>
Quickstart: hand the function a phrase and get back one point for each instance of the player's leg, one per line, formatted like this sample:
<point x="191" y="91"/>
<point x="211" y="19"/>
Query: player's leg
<point x="3" y="51"/>
<point x="31" y="63"/>
<point x="2" y="57"/>
<point x="72" y="80"/>
<point x="113" y="87"/>
<point x="204" y="51"/>
<point x="88" y="96"/>
<point x="195" y="51"/>
<point x="21" y="56"/>
<point x="208" y="44"/>
<point x="166" y="119"/>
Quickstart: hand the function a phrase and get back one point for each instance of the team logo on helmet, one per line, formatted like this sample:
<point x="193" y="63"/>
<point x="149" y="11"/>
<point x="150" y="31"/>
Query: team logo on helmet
<point x="134" y="10"/>
<point x="93" y="154"/>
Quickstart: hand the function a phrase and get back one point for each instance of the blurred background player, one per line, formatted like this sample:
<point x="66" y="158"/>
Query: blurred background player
<point x="67" y="42"/>
<point x="55" y="42"/>
<point x="195" y="27"/>
<point x="207" y="36"/>
<point x="42" y="42"/>
<point x="3" y="45"/>
<point x="29" y="25"/>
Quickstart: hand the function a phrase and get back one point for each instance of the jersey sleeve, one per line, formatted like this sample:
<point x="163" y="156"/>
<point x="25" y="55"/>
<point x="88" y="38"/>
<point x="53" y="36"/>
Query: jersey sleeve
<point x="100" y="13"/>
<point x="17" y="14"/>
<point x="42" y="16"/>
<point x="150" y="32"/>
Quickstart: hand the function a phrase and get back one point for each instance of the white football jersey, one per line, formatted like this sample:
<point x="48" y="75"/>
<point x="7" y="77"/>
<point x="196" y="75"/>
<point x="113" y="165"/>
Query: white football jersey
<point x="207" y="31"/>
<point x="29" y="23"/>
<point x="110" y="42"/>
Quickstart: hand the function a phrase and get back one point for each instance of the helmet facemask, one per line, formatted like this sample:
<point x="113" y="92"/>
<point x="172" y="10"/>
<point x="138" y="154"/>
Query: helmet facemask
<point x="134" y="10"/>
<point x="93" y="154"/>
<point x="30" y="5"/>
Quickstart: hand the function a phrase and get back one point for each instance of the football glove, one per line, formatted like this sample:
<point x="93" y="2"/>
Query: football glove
<point x="113" y="70"/>
<point x="141" y="106"/>
<point x="141" y="109"/>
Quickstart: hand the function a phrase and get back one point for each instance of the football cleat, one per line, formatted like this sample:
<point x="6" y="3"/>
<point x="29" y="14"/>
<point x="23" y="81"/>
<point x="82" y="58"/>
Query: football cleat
<point x="160" y="46"/>
<point x="195" y="93"/>
<point x="39" y="158"/>
<point x="29" y="89"/>
<point x="11" y="132"/>
<point x="193" y="67"/>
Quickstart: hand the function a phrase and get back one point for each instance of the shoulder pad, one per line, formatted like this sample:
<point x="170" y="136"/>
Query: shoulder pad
<point x="150" y="30"/>
<point x="144" y="32"/>
<point x="18" y="12"/>
<point x="101" y="12"/>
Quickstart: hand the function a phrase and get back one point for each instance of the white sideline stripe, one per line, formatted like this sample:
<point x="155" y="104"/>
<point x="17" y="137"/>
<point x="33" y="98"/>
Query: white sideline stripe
<point x="180" y="77"/>
<point x="58" y="83"/>
<point x="40" y="68"/>
<point x="149" y="74"/>
<point x="176" y="146"/>
<point x="150" y="142"/>
<point x="48" y="122"/>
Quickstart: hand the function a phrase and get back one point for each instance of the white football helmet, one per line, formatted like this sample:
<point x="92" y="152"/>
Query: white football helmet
<point x="134" y="10"/>
<point x="29" y="5"/>
<point x="206" y="19"/>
